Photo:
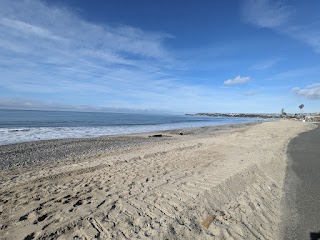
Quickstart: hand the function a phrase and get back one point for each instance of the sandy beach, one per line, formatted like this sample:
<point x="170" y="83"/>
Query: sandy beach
<point x="210" y="183"/>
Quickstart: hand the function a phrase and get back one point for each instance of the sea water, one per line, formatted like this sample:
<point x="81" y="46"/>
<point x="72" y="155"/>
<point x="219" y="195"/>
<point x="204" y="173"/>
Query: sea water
<point x="24" y="126"/>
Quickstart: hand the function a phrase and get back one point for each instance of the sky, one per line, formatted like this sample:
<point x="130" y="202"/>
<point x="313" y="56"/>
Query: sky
<point x="164" y="56"/>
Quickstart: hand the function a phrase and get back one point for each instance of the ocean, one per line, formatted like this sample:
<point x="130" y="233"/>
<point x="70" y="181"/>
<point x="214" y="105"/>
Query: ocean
<point x="24" y="126"/>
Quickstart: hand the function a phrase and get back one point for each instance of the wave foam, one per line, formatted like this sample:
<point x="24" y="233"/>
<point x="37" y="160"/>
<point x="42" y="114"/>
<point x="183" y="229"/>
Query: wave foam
<point x="16" y="135"/>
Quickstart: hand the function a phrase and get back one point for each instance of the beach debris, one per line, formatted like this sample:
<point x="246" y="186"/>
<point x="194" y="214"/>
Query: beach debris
<point x="156" y="135"/>
<point x="207" y="221"/>
<point x="30" y="236"/>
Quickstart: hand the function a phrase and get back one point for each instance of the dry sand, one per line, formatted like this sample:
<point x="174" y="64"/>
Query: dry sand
<point x="207" y="184"/>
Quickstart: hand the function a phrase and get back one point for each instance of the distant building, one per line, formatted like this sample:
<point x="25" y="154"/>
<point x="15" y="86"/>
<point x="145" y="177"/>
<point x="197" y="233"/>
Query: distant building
<point x="313" y="118"/>
<point x="316" y="118"/>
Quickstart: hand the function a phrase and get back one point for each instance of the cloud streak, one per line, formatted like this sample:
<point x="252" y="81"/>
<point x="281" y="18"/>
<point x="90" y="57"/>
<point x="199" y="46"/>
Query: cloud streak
<point x="281" y="17"/>
<point x="25" y="28"/>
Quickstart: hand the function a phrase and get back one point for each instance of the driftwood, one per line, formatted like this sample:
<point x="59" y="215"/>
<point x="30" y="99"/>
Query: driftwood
<point x="156" y="135"/>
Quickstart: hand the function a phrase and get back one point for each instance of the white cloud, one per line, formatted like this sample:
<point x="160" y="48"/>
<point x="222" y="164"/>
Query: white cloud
<point x="237" y="80"/>
<point x="310" y="92"/>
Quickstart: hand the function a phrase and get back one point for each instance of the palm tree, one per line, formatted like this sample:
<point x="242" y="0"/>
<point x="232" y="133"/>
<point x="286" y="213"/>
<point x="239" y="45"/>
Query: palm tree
<point x="301" y="108"/>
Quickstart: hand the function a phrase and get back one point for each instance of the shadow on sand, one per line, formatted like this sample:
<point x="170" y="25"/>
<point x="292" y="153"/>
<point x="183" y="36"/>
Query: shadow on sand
<point x="315" y="236"/>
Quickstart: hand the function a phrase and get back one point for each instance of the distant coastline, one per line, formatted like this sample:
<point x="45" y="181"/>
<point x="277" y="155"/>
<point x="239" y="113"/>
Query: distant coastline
<point x="255" y="115"/>
<point x="244" y="115"/>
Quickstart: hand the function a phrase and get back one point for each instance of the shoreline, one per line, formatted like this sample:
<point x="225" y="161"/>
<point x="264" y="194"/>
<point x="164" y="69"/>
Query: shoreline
<point x="222" y="182"/>
<point x="29" y="134"/>
<point x="14" y="152"/>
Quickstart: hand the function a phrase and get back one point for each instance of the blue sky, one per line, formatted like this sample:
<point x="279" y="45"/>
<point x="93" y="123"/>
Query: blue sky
<point x="176" y="56"/>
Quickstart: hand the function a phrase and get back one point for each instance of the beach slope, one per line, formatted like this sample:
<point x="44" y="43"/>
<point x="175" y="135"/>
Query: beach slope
<point x="222" y="182"/>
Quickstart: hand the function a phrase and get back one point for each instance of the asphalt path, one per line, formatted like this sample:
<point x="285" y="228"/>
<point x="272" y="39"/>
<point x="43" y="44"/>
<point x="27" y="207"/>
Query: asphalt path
<point x="301" y="218"/>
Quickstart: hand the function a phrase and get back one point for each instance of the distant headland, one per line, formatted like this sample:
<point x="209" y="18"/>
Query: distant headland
<point x="254" y="115"/>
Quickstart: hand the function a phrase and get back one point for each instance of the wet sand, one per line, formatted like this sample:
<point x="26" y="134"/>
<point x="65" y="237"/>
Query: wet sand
<point x="14" y="156"/>
<point x="302" y="189"/>
<point x="210" y="183"/>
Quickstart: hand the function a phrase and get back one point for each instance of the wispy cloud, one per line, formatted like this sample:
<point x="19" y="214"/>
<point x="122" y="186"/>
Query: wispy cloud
<point x="263" y="65"/>
<point x="47" y="49"/>
<point x="19" y="22"/>
<point x="237" y="80"/>
<point x="282" y="17"/>
<point x="308" y="33"/>
<point x="26" y="28"/>
<point x="56" y="57"/>
<point x="49" y="53"/>
<point x="311" y="91"/>
<point x="250" y="93"/>
<point x="266" y="13"/>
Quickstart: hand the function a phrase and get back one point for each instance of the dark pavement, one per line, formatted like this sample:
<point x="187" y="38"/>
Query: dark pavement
<point x="301" y="219"/>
